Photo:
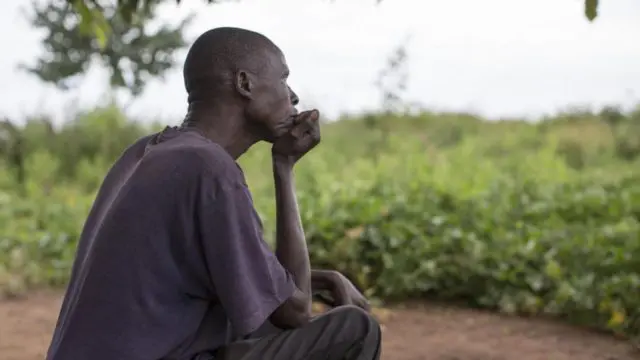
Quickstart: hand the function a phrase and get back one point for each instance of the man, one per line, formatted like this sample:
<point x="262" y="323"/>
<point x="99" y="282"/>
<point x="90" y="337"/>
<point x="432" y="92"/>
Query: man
<point x="172" y="264"/>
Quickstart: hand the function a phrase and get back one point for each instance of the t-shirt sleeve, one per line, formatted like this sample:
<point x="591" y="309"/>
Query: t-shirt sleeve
<point x="247" y="278"/>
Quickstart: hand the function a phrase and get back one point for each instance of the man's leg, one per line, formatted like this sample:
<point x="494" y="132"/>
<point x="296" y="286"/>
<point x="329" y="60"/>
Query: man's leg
<point x="343" y="333"/>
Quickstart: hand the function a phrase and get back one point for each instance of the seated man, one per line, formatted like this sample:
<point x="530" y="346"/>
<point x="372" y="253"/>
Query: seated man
<point x="171" y="263"/>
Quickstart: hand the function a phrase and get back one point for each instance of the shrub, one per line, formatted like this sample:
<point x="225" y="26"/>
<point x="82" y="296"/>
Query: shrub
<point x="499" y="218"/>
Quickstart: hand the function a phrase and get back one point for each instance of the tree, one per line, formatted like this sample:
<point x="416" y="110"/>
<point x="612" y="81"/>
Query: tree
<point x="132" y="53"/>
<point x="93" y="19"/>
<point x="392" y="80"/>
<point x="11" y="148"/>
<point x="81" y="30"/>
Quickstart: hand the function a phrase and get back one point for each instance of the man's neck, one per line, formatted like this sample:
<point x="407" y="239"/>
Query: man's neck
<point x="224" y="128"/>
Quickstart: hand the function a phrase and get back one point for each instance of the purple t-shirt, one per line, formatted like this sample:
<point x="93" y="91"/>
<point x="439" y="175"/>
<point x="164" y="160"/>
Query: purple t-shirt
<point x="171" y="261"/>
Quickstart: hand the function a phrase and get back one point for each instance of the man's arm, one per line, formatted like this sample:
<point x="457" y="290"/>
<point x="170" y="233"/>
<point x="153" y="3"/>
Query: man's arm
<point x="341" y="290"/>
<point x="291" y="247"/>
<point x="291" y="251"/>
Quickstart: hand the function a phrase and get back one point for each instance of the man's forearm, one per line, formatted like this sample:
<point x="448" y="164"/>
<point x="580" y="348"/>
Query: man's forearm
<point x="291" y="246"/>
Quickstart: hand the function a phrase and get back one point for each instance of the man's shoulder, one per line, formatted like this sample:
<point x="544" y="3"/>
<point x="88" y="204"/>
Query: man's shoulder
<point x="192" y="150"/>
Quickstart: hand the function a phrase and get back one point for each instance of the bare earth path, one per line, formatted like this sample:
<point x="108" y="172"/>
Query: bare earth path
<point x="409" y="334"/>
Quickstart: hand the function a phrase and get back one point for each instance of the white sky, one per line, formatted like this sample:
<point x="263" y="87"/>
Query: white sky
<point x="495" y="57"/>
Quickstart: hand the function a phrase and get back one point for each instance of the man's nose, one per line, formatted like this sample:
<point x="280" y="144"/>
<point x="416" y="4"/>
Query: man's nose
<point x="294" y="97"/>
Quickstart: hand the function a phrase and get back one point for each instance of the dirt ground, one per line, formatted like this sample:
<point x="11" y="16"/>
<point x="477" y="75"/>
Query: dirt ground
<point x="413" y="333"/>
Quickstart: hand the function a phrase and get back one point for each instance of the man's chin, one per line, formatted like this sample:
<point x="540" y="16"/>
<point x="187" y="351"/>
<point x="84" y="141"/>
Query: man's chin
<point x="279" y="130"/>
<point x="268" y="135"/>
<point x="272" y="136"/>
<point x="283" y="129"/>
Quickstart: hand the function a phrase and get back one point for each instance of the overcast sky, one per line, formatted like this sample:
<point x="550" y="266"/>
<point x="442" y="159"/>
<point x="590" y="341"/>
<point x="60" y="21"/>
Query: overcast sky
<point x="494" y="57"/>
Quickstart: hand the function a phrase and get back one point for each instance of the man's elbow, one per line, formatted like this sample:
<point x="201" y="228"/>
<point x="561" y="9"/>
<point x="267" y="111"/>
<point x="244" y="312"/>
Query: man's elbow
<point x="295" y="312"/>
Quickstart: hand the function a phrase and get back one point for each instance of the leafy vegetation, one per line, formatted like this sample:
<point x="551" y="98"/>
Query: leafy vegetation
<point x="132" y="51"/>
<point x="537" y="218"/>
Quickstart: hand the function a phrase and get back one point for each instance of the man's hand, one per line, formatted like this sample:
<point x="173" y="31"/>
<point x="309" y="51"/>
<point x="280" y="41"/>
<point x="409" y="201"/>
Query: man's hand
<point x="303" y="136"/>
<point x="341" y="290"/>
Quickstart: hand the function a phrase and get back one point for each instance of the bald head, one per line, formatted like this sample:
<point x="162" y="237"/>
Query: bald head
<point x="237" y="78"/>
<point x="218" y="54"/>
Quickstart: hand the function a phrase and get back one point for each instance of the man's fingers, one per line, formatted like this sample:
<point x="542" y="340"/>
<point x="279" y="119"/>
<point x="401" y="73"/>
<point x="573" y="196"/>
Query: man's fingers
<point x="315" y="135"/>
<point x="365" y="305"/>
<point x="306" y="119"/>
<point x="305" y="127"/>
<point x="299" y="130"/>
<point x="303" y="135"/>
<point x="314" y="116"/>
<point x="310" y="116"/>
<point x="325" y="299"/>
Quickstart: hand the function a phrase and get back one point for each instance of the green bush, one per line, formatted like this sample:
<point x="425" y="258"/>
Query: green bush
<point x="502" y="217"/>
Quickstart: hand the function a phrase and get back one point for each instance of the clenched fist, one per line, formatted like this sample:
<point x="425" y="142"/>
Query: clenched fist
<point x="303" y="136"/>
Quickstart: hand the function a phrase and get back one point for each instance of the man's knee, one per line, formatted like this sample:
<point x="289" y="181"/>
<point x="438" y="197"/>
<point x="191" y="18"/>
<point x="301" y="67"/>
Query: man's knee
<point x="345" y="332"/>
<point x="358" y="333"/>
<point x="360" y="323"/>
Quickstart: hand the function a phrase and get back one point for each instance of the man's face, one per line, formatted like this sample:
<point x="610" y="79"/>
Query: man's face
<point x="272" y="105"/>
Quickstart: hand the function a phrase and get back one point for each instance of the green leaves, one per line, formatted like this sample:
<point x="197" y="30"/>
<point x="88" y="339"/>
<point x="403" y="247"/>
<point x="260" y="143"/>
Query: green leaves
<point x="92" y="22"/>
<point x="80" y="33"/>
<point x="591" y="9"/>
<point x="567" y="260"/>
<point x="494" y="219"/>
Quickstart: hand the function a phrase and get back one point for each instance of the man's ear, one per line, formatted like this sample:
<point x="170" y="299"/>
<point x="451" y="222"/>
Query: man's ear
<point x="244" y="83"/>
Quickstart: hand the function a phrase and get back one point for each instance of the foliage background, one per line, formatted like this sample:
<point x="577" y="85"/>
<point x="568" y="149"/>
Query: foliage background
<point x="511" y="215"/>
<point x="522" y="217"/>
